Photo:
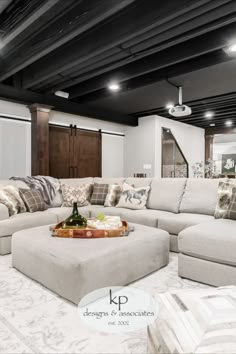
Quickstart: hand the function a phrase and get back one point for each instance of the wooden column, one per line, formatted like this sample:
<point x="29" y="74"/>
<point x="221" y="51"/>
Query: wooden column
<point x="39" y="139"/>
<point x="209" y="147"/>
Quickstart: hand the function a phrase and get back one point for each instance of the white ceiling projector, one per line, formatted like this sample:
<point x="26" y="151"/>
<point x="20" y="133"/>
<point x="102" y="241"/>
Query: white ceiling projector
<point x="180" y="110"/>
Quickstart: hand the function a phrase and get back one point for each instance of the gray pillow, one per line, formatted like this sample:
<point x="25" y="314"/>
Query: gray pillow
<point x="133" y="198"/>
<point x="33" y="200"/>
<point x="113" y="196"/>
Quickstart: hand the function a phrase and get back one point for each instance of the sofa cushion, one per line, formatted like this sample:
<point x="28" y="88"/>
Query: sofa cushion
<point x="145" y="217"/>
<point x="200" y="196"/>
<point x="213" y="241"/>
<point x="138" y="182"/>
<point x="175" y="223"/>
<point x="109" y="180"/>
<point x="26" y="221"/>
<point x="166" y="194"/>
<point x="4" y="213"/>
<point x="76" y="181"/>
<point x="10" y="182"/>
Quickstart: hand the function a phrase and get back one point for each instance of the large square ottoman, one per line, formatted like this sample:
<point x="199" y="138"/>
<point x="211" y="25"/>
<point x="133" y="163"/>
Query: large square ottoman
<point x="74" y="267"/>
<point x="195" y="321"/>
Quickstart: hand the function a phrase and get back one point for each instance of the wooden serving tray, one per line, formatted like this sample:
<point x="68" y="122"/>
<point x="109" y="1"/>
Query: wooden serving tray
<point x="89" y="232"/>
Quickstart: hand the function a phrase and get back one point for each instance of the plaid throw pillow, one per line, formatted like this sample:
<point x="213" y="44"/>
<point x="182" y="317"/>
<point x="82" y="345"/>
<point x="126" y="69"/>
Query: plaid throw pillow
<point x="226" y="204"/>
<point x="33" y="200"/>
<point x="99" y="194"/>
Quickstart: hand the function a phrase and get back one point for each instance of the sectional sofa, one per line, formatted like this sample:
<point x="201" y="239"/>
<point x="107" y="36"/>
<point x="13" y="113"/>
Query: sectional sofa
<point x="182" y="207"/>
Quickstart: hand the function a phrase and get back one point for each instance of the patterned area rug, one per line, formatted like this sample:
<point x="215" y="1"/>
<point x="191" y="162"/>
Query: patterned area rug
<point x="35" y="320"/>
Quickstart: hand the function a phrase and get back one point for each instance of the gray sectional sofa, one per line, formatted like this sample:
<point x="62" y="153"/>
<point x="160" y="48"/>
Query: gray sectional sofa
<point x="182" y="207"/>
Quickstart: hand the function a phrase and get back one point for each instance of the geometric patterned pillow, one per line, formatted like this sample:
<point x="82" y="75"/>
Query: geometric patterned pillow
<point x="113" y="196"/>
<point x="99" y="193"/>
<point x="33" y="200"/>
<point x="80" y="194"/>
<point x="226" y="204"/>
<point x="10" y="197"/>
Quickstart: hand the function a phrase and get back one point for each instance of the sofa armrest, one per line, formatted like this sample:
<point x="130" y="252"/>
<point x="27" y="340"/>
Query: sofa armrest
<point x="4" y="214"/>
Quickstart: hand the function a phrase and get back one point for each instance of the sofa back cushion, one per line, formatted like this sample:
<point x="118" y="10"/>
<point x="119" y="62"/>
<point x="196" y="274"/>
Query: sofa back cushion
<point x="18" y="184"/>
<point x="166" y="194"/>
<point x="138" y="182"/>
<point x="109" y="180"/>
<point x="200" y="196"/>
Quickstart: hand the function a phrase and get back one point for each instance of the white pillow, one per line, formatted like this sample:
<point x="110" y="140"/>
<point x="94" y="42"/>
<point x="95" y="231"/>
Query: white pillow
<point x="133" y="198"/>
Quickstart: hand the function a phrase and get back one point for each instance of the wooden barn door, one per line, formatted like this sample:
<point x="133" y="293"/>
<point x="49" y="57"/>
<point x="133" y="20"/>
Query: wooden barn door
<point x="87" y="154"/>
<point x="74" y="153"/>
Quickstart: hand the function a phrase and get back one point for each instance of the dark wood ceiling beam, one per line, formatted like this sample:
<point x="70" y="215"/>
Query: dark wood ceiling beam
<point x="128" y="25"/>
<point x="63" y="105"/>
<point x="221" y="130"/>
<point x="184" y="67"/>
<point x="193" y="11"/>
<point x="222" y="14"/>
<point x="182" y="52"/>
<point x="202" y="24"/>
<point x="95" y="15"/>
<point x="196" y="12"/>
<point x="29" y="21"/>
<point x="41" y="31"/>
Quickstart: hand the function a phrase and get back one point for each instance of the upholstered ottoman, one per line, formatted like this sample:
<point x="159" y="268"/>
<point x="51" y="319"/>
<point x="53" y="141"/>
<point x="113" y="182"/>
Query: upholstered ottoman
<point x="74" y="267"/>
<point x="195" y="321"/>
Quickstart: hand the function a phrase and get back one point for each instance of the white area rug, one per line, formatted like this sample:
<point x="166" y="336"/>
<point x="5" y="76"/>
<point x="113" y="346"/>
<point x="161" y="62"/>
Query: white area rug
<point x="35" y="320"/>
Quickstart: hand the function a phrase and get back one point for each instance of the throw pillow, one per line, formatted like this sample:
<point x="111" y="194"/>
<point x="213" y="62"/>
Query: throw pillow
<point x="80" y="194"/>
<point x="10" y="197"/>
<point x="99" y="193"/>
<point x="133" y="198"/>
<point x="33" y="200"/>
<point x="226" y="204"/>
<point x="113" y="196"/>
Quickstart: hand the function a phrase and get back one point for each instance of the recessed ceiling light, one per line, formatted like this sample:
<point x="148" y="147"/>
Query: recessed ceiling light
<point x="212" y="125"/>
<point x="209" y="115"/>
<point x="229" y="123"/>
<point x="169" y="105"/>
<point x="114" y="86"/>
<point x="232" y="48"/>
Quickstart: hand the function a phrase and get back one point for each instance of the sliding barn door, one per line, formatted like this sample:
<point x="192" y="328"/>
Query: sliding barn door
<point x="74" y="153"/>
<point x="60" y="152"/>
<point x="87" y="154"/>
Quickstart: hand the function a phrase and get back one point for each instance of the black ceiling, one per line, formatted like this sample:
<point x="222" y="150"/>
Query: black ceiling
<point x="80" y="46"/>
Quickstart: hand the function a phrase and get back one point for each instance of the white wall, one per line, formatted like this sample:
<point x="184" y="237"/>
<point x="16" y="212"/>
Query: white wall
<point x="143" y="145"/>
<point x="140" y="147"/>
<point x="15" y="140"/>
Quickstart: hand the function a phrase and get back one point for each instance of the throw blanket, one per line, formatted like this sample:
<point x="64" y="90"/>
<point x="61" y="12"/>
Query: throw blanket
<point x="47" y="186"/>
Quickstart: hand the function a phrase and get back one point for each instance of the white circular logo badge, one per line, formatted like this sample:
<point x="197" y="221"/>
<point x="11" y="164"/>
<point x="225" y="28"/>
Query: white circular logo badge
<point x="118" y="309"/>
